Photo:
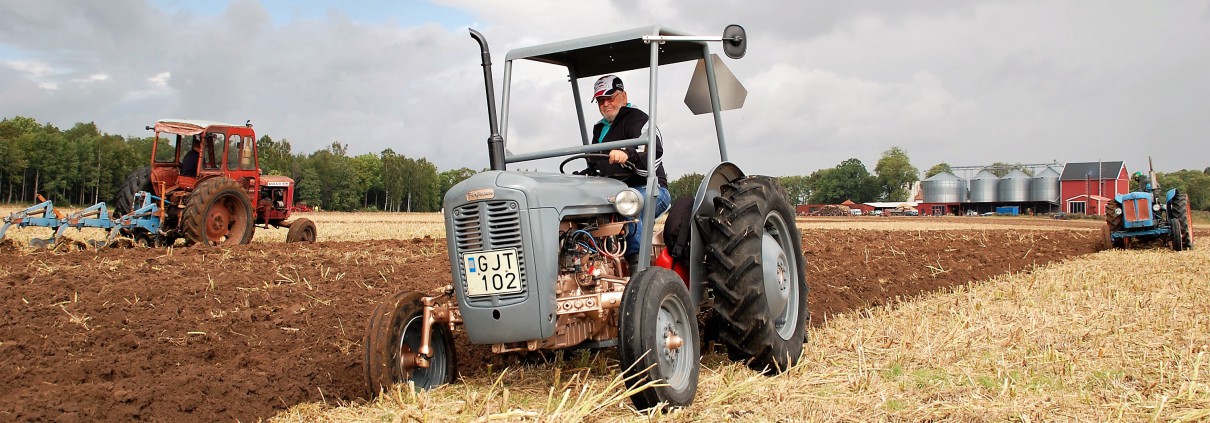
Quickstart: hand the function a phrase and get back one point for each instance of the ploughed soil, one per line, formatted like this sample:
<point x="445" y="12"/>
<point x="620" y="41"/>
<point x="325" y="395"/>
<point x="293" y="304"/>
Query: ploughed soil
<point x="197" y="334"/>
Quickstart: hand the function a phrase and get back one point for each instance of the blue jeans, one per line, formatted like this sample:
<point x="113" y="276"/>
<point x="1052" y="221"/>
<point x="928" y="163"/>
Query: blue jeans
<point x="634" y="231"/>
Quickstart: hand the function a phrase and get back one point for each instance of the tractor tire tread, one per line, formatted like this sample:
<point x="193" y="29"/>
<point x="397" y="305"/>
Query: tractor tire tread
<point x="207" y="193"/>
<point x="733" y="239"/>
<point x="123" y="202"/>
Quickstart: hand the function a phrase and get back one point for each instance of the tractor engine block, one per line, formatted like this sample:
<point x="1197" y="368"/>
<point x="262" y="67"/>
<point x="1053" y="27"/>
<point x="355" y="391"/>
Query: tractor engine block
<point x="588" y="292"/>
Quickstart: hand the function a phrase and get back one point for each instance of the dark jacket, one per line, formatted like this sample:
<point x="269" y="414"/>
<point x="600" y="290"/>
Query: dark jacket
<point x="189" y="163"/>
<point x="629" y="125"/>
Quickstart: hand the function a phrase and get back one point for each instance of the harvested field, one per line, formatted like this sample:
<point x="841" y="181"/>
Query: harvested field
<point x="198" y="334"/>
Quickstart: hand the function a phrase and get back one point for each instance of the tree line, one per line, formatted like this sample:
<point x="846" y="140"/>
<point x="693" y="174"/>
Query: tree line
<point x="850" y="180"/>
<point x="83" y="166"/>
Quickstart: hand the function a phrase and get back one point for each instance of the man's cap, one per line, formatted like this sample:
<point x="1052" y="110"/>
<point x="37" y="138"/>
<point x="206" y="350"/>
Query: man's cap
<point x="606" y="86"/>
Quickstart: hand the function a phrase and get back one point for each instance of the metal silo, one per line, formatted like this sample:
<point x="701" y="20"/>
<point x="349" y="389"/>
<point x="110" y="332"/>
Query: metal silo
<point x="1045" y="186"/>
<point x="944" y="187"/>
<point x="983" y="187"/>
<point x="1014" y="187"/>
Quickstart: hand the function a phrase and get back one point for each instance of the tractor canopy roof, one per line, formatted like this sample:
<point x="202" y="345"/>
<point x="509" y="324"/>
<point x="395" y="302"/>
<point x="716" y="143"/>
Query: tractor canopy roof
<point x="187" y="126"/>
<point x="613" y="52"/>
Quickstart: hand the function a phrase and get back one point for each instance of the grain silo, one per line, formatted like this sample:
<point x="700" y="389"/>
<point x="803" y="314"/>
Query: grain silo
<point x="1045" y="186"/>
<point x="1014" y="187"/>
<point x="944" y="187"/>
<point x="983" y="187"/>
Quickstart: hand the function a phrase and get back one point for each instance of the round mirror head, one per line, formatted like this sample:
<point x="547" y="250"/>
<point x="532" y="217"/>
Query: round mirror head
<point x="735" y="41"/>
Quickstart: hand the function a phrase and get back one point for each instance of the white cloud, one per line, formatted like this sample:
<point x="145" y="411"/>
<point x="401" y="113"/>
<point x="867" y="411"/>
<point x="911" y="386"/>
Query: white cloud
<point x="32" y="68"/>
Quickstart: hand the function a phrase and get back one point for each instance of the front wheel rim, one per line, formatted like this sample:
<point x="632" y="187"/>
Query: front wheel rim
<point x="409" y="342"/>
<point x="674" y="364"/>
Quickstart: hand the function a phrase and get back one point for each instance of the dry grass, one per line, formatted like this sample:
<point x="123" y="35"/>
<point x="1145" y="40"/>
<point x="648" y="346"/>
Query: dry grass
<point x="338" y="226"/>
<point x="943" y="223"/>
<point x="1119" y="335"/>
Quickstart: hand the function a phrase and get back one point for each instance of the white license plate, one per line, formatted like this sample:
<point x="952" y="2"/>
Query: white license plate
<point x="492" y="272"/>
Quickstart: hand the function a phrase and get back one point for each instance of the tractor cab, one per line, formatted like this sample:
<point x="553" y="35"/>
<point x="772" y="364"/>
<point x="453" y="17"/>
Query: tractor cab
<point x="226" y="150"/>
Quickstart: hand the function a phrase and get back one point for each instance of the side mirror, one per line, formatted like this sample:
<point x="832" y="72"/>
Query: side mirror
<point x="735" y="41"/>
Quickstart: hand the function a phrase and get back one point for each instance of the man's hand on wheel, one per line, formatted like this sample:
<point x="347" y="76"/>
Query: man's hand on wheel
<point x="617" y="157"/>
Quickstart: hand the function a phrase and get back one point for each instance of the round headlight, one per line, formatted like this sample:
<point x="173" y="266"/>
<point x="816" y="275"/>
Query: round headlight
<point x="628" y="202"/>
<point x="1155" y="206"/>
<point x="1117" y="212"/>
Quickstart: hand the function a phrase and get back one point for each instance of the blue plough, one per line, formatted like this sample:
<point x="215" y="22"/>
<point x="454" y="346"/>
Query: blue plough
<point x="144" y="220"/>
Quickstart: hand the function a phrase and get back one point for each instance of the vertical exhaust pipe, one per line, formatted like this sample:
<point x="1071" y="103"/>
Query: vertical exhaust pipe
<point x="495" y="142"/>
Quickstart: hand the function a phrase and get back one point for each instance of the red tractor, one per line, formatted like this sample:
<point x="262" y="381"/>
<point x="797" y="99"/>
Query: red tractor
<point x="217" y="200"/>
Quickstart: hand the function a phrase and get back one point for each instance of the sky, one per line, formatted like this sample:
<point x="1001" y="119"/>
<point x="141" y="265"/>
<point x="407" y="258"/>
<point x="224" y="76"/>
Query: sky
<point x="967" y="83"/>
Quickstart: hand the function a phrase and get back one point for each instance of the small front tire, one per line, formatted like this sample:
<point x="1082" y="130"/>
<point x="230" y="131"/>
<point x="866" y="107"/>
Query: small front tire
<point x="301" y="230"/>
<point x="393" y="339"/>
<point x="659" y="340"/>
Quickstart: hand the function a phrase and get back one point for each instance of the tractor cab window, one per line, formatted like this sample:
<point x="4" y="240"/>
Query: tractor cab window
<point x="247" y="161"/>
<point x="167" y="147"/>
<point x="212" y="150"/>
<point x="239" y="156"/>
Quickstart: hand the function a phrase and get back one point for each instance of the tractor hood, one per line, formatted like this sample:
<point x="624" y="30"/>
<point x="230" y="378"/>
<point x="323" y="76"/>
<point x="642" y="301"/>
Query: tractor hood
<point x="567" y="194"/>
<point x="275" y="181"/>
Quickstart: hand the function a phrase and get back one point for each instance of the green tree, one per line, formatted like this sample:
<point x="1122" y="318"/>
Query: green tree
<point x="938" y="168"/>
<point x="1000" y="169"/>
<point x="423" y="186"/>
<point x="895" y="174"/>
<point x="1195" y="184"/>
<point x="276" y="157"/>
<point x="48" y="163"/>
<point x="798" y="188"/>
<point x="392" y="179"/>
<point x="13" y="155"/>
<point x="368" y="168"/>
<point x="685" y="186"/>
<point x="847" y="181"/>
<point x="330" y="172"/>
<point x="452" y="177"/>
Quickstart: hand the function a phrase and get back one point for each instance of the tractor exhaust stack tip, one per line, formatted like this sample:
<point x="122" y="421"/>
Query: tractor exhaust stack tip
<point x="495" y="142"/>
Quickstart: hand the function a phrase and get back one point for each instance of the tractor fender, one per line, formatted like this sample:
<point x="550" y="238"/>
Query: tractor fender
<point x="1169" y="195"/>
<point x="703" y="205"/>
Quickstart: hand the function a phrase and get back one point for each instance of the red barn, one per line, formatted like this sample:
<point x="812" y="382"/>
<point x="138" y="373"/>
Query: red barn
<point x="1085" y="188"/>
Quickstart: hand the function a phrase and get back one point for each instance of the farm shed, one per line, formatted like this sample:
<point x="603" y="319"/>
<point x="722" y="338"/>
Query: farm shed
<point x="1084" y="187"/>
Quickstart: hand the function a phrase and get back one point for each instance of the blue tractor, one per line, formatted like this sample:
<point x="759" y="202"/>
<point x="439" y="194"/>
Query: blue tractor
<point x="1141" y="216"/>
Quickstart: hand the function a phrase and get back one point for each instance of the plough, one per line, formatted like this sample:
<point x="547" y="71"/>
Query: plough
<point x="139" y="224"/>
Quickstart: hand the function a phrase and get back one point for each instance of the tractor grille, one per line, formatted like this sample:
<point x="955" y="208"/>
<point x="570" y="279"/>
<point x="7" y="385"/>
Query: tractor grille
<point x="1137" y="212"/>
<point x="489" y="225"/>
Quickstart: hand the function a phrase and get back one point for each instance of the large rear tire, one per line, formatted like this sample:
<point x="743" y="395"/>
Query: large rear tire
<point x="659" y="339"/>
<point x="393" y="339"/>
<point x="123" y="202"/>
<point x="301" y="230"/>
<point x="757" y="272"/>
<point x="218" y="213"/>
<point x="1182" y="213"/>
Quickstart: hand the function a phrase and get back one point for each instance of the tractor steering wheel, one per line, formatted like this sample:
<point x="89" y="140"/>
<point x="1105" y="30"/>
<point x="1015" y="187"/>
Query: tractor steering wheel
<point x="589" y="169"/>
